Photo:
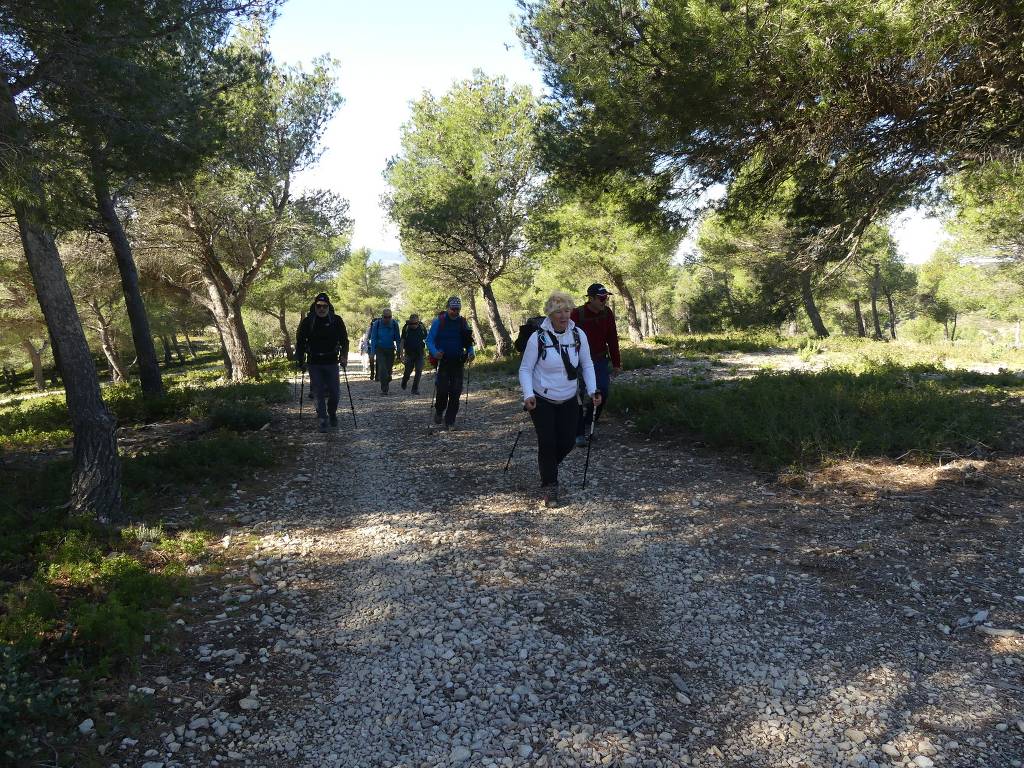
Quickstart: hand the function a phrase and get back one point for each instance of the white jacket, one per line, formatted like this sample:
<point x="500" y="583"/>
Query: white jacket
<point x="545" y="377"/>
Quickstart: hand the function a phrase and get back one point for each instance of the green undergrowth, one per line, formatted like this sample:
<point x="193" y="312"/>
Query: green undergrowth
<point x="43" y="422"/>
<point x="701" y="344"/>
<point x="800" y="418"/>
<point x="865" y="353"/>
<point x="83" y="601"/>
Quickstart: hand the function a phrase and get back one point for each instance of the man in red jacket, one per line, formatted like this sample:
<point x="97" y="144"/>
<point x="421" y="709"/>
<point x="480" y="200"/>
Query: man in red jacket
<point x="597" y="320"/>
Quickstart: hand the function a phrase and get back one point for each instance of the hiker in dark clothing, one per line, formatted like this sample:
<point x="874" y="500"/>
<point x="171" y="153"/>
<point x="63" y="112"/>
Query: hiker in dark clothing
<point x="321" y="345"/>
<point x="369" y="350"/>
<point x="451" y="344"/>
<point x="596" y="319"/>
<point x="384" y="345"/>
<point x="414" y="335"/>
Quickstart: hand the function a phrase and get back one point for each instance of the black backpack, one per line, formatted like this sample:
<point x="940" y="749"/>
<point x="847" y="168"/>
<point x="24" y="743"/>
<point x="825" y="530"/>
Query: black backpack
<point x="530" y="327"/>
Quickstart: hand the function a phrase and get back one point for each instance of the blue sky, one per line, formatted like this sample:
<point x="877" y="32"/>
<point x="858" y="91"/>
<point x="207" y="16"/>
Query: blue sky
<point x="390" y="51"/>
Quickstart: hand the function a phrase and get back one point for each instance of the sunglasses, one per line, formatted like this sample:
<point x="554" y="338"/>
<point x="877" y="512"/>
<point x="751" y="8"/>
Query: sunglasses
<point x="321" y="306"/>
<point x="600" y="297"/>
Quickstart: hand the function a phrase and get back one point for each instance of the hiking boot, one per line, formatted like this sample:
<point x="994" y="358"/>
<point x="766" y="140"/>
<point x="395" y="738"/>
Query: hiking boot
<point x="581" y="441"/>
<point x="334" y="421"/>
<point x="323" y="425"/>
<point x="415" y="391"/>
<point x="404" y="383"/>
<point x="438" y="418"/>
<point x="550" y="493"/>
<point x="448" y="426"/>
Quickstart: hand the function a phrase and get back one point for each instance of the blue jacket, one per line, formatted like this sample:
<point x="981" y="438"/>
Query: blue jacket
<point x="384" y="335"/>
<point x="454" y="339"/>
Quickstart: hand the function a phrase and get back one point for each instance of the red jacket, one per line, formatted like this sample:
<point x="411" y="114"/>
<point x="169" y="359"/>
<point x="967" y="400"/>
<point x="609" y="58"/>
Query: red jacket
<point x="601" y="333"/>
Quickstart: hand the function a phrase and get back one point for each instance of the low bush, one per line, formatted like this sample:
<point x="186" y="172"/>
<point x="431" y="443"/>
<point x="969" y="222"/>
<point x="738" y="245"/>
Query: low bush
<point x="800" y="417"/>
<point x="28" y="703"/>
<point x="44" y="422"/>
<point x="638" y="357"/>
<point x="241" y="415"/>
<point x="764" y="340"/>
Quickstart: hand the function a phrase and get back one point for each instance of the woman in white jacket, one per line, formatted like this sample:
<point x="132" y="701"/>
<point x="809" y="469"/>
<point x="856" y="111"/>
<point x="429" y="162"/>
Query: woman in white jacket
<point x="555" y="359"/>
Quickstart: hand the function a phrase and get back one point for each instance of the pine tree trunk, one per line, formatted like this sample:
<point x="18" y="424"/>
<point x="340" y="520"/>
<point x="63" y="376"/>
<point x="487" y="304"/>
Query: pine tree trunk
<point x="177" y="348"/>
<point x="861" y="330"/>
<point x="952" y="333"/>
<point x="234" y="338"/>
<point x="286" y="337"/>
<point x="807" y="294"/>
<point x="502" y="341"/>
<point x="875" y="281"/>
<point x="188" y="343"/>
<point x="474" y="323"/>
<point x="36" y="356"/>
<point x="138" y="319"/>
<point x="117" y="371"/>
<point x="224" y="352"/>
<point x="167" y="349"/>
<point x="632" y="317"/>
<point x="892" y="315"/>
<point x="96" y="478"/>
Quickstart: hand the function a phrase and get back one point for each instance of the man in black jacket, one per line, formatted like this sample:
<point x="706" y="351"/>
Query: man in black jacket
<point x="323" y="341"/>
<point x="413" y="337"/>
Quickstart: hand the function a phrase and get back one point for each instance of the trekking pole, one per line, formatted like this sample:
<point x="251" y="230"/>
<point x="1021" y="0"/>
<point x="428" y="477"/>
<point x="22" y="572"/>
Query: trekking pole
<point x="302" y="388"/>
<point x="433" y="399"/>
<point x="467" y="384"/>
<point x="518" y="435"/>
<point x="351" y="402"/>
<point x="590" y="442"/>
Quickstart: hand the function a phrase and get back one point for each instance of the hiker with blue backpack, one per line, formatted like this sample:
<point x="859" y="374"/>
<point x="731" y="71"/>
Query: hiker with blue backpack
<point x="450" y="342"/>
<point x="384" y="343"/>
<point x="556" y="362"/>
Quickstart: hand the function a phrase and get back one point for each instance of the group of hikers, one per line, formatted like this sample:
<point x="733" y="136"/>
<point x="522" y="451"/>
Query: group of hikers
<point x="568" y="357"/>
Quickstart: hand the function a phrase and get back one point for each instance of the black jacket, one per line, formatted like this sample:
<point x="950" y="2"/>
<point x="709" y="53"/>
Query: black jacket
<point x="322" y="341"/>
<point x="413" y="339"/>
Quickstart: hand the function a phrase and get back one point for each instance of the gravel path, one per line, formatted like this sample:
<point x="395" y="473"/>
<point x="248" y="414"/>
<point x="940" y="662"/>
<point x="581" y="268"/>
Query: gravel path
<point x="402" y="602"/>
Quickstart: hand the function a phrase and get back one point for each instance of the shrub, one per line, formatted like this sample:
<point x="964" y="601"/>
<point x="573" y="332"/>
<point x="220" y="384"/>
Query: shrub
<point x="30" y="612"/>
<point x="188" y="546"/>
<point x="28" y="703"/>
<point x="240" y="415"/>
<point x="732" y="341"/>
<point x="75" y="561"/>
<point x="634" y="357"/>
<point x="805" y="417"/>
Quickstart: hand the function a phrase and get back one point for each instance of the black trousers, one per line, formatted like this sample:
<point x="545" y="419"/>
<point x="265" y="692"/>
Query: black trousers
<point x="556" y="435"/>
<point x="449" y="389"/>
<point x="413" y="362"/>
<point x="385" y="362"/>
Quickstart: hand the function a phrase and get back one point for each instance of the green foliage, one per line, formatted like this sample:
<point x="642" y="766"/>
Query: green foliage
<point x="635" y="357"/>
<point x="718" y="343"/>
<point x="361" y="293"/>
<point x="44" y="421"/>
<point x="190" y="465"/>
<point x="800" y="418"/>
<point x="864" y="354"/>
<point x="187" y="546"/>
<point x="28" y="703"/>
<point x="464" y="184"/>
<point x="240" y="416"/>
